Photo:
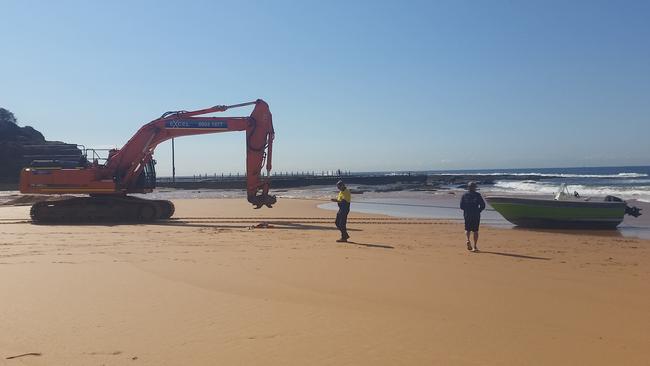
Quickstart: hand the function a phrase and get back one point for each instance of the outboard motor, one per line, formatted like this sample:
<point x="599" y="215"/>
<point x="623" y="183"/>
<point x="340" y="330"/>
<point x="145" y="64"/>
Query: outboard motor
<point x="632" y="211"/>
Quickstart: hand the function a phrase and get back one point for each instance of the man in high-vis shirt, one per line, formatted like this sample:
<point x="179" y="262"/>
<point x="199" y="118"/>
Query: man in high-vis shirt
<point x="343" y="200"/>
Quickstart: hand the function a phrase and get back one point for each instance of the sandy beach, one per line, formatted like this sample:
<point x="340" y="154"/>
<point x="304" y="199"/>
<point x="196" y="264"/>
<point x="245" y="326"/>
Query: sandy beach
<point x="209" y="288"/>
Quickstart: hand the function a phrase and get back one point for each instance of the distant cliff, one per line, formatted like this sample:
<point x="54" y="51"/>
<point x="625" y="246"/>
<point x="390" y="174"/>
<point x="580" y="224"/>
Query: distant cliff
<point x="20" y="145"/>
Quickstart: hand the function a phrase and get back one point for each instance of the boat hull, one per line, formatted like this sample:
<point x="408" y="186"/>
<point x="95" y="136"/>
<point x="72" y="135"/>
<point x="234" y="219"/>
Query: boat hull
<point x="547" y="213"/>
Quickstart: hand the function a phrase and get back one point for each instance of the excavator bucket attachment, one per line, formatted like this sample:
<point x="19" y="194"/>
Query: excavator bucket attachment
<point x="262" y="199"/>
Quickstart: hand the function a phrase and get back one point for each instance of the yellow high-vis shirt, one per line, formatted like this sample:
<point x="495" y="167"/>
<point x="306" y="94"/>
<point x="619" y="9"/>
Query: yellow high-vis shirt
<point x="344" y="195"/>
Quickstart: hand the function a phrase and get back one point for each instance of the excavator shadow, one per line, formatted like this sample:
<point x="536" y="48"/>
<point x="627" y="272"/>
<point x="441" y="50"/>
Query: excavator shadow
<point x="153" y="223"/>
<point x="106" y="224"/>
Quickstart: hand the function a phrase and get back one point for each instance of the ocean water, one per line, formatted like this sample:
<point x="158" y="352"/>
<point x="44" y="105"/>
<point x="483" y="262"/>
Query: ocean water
<point x="444" y="205"/>
<point x="631" y="182"/>
<point x="406" y="204"/>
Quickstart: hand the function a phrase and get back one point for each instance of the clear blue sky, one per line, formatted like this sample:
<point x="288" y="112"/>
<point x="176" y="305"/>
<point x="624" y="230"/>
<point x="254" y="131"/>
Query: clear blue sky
<point x="359" y="86"/>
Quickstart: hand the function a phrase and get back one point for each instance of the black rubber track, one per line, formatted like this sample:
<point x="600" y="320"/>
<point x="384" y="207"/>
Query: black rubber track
<point x="101" y="209"/>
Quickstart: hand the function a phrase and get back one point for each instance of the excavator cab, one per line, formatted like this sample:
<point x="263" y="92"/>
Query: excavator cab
<point x="147" y="179"/>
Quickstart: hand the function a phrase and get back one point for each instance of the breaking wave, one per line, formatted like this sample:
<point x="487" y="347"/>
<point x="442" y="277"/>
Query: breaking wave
<point x="558" y="175"/>
<point x="541" y="188"/>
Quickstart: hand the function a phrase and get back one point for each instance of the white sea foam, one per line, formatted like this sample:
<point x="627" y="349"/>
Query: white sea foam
<point x="540" y="188"/>
<point x="535" y="174"/>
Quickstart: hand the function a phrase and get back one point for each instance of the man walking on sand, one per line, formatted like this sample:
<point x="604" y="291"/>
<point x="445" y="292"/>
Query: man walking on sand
<point x="472" y="204"/>
<point x="343" y="200"/>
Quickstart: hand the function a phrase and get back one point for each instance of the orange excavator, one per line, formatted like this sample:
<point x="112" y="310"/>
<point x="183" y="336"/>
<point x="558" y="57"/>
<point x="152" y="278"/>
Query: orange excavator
<point x="131" y="170"/>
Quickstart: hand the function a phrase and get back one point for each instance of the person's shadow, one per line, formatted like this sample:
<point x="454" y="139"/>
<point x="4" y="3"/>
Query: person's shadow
<point x="370" y="245"/>
<point x="513" y="255"/>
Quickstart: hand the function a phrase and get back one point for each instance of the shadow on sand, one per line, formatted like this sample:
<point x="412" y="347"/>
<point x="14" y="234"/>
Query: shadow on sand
<point x="299" y="226"/>
<point x="198" y="225"/>
<point x="514" y="255"/>
<point x="579" y="232"/>
<point x="273" y="225"/>
<point x="370" y="245"/>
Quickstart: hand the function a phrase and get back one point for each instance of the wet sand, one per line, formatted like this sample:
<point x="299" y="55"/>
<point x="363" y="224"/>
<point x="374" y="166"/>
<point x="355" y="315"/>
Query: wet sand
<point x="208" y="289"/>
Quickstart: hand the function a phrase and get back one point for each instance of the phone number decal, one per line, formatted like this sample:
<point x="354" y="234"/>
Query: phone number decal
<point x="180" y="123"/>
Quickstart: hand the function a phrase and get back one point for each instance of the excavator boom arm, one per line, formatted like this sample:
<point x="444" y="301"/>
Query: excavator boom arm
<point x="129" y="161"/>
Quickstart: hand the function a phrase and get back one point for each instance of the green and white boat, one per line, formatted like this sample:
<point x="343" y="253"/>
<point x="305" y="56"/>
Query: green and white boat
<point x="565" y="211"/>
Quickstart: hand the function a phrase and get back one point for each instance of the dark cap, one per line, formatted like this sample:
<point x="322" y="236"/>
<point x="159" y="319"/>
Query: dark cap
<point x="472" y="185"/>
<point x="340" y="183"/>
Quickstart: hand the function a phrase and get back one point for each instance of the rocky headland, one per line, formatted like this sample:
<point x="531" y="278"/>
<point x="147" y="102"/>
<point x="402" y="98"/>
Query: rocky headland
<point x="19" y="146"/>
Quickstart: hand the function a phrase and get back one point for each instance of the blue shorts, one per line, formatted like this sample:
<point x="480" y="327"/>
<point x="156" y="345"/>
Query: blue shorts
<point x="472" y="222"/>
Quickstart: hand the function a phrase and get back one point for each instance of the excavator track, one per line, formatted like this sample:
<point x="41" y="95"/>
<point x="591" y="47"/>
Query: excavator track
<point x="101" y="209"/>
